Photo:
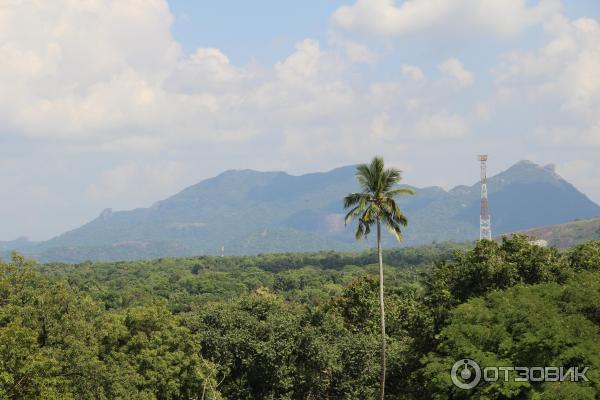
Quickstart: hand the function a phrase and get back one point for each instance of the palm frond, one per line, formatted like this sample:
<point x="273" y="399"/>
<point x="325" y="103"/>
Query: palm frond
<point x="367" y="228"/>
<point x="370" y="214"/>
<point x="377" y="165"/>
<point x="360" y="231"/>
<point x="392" y="227"/>
<point x="391" y="209"/>
<point x="377" y="172"/>
<point x="360" y="201"/>
<point x="390" y="178"/>
<point x="352" y="199"/>
<point x="363" y="228"/>
<point x="400" y="192"/>
<point x="365" y="221"/>
<point x="364" y="177"/>
<point x="355" y="212"/>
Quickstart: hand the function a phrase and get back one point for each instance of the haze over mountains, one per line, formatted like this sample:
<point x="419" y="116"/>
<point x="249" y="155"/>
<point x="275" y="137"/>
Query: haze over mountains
<point x="249" y="212"/>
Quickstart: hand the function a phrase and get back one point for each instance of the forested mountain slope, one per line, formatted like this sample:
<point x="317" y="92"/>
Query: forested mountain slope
<point x="250" y="212"/>
<point x="568" y="234"/>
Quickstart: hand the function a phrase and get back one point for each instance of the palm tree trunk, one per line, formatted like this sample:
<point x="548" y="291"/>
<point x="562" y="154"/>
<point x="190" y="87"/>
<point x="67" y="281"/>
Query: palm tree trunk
<point x="382" y="308"/>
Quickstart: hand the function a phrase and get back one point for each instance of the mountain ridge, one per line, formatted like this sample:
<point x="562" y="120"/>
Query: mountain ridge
<point x="250" y="212"/>
<point x="568" y="234"/>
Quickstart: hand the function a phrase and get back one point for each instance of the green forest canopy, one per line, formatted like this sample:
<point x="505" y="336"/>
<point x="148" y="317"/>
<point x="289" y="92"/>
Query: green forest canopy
<point x="299" y="326"/>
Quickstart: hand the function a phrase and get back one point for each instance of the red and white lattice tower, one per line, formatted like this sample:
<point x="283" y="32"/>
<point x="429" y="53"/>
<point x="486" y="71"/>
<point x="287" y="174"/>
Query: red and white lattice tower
<point x="485" y="224"/>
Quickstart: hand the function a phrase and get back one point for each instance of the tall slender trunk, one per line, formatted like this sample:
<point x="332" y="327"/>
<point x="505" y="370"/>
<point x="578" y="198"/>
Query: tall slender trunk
<point x="382" y="308"/>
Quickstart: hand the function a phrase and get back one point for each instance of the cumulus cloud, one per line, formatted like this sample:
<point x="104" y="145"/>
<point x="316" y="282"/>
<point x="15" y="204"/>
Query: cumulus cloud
<point x="114" y="186"/>
<point x="74" y="68"/>
<point x="207" y="69"/>
<point x="357" y="52"/>
<point x="412" y="72"/>
<point x="110" y="74"/>
<point x="498" y="18"/>
<point x="307" y="64"/>
<point x="441" y="125"/>
<point x="104" y="87"/>
<point x="454" y="69"/>
<point x="563" y="78"/>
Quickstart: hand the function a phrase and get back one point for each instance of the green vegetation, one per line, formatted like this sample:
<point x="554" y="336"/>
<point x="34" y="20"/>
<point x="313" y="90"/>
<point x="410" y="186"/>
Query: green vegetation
<point x="568" y="234"/>
<point x="57" y="342"/>
<point x="307" y="278"/>
<point x="300" y="326"/>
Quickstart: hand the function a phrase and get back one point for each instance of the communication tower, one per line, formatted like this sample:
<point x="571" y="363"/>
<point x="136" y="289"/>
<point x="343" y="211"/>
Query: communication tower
<point x="485" y="224"/>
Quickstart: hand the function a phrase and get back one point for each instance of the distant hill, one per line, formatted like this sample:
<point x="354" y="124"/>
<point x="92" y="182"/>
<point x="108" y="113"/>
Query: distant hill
<point x="567" y="235"/>
<point x="251" y="212"/>
<point x="22" y="244"/>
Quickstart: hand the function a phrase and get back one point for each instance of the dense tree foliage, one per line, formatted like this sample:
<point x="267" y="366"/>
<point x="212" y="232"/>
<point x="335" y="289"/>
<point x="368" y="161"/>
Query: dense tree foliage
<point x="300" y="277"/>
<point x="56" y="342"/>
<point x="541" y="325"/>
<point x="300" y="326"/>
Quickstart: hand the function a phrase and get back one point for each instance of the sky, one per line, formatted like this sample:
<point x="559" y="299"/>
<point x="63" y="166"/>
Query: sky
<point x="120" y="103"/>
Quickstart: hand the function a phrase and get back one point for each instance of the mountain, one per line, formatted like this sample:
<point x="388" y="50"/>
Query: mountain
<point x="22" y="244"/>
<point x="251" y="212"/>
<point x="567" y="235"/>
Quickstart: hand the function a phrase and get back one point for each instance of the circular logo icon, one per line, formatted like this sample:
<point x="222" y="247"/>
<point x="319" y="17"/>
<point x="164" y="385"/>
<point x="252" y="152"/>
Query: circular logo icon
<point x="465" y="373"/>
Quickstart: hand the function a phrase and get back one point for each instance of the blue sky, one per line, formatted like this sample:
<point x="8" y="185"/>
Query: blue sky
<point x="259" y="30"/>
<point x="267" y="30"/>
<point x="112" y="104"/>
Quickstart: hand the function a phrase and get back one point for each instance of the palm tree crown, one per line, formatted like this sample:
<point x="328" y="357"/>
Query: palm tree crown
<point x="376" y="200"/>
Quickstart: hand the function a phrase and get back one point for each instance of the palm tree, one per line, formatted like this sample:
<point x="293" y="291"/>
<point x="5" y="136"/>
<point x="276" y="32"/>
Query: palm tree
<point x="375" y="204"/>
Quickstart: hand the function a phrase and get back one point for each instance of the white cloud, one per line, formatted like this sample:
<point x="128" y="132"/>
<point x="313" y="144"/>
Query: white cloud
<point x="113" y="183"/>
<point x="573" y="135"/>
<point x="77" y="68"/>
<point x="563" y="79"/>
<point x="454" y="69"/>
<point x="357" y="52"/>
<point x="483" y="111"/>
<point x="583" y="173"/>
<point x="116" y="185"/>
<point x="103" y="86"/>
<point x="412" y="72"/>
<point x="208" y="69"/>
<point x="132" y="144"/>
<point x="306" y="64"/>
<point x="441" y="125"/>
<point x="141" y="93"/>
<point x="353" y="51"/>
<point x="382" y="127"/>
<point x="499" y="18"/>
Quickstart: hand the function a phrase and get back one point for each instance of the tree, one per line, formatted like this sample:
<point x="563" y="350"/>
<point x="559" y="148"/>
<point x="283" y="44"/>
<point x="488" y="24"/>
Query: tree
<point x="253" y="341"/>
<point x="547" y="324"/>
<point x="585" y="256"/>
<point x="375" y="205"/>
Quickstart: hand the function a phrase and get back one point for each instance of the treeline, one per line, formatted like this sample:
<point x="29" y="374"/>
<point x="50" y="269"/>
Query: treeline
<point x="300" y="326"/>
<point x="299" y="277"/>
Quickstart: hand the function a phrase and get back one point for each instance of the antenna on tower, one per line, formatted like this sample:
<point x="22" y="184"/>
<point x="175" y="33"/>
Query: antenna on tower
<point x="485" y="224"/>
